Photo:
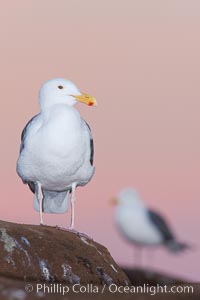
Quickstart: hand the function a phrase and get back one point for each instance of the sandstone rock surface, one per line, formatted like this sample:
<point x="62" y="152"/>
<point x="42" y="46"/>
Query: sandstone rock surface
<point x="32" y="255"/>
<point x="49" y="254"/>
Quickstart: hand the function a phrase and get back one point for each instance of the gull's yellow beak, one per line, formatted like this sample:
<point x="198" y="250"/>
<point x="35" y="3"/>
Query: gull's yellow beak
<point x="114" y="201"/>
<point x="87" y="99"/>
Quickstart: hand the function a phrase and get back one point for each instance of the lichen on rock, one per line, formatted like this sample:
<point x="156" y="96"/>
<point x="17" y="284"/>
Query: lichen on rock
<point x="49" y="254"/>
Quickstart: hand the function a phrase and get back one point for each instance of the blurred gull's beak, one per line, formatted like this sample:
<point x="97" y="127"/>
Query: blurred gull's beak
<point x="85" y="98"/>
<point x="114" y="201"/>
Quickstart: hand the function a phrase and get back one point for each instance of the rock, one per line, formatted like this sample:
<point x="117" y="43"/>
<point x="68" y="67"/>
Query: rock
<point x="49" y="254"/>
<point x="143" y="276"/>
<point x="42" y="255"/>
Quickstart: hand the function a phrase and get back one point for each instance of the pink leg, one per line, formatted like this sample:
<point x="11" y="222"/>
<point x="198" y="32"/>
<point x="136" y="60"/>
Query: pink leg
<point x="73" y="200"/>
<point x="40" y="199"/>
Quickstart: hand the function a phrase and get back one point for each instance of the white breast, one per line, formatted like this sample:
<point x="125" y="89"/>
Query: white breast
<point x="56" y="150"/>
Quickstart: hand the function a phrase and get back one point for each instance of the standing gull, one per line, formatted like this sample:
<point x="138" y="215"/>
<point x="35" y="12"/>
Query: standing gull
<point x="56" y="153"/>
<point x="141" y="226"/>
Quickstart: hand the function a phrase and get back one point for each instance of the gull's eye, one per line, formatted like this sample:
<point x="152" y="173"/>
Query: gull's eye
<point x="60" y="87"/>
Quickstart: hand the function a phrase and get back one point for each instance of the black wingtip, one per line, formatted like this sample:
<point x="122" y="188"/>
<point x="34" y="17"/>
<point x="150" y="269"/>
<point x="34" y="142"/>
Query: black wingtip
<point x="178" y="247"/>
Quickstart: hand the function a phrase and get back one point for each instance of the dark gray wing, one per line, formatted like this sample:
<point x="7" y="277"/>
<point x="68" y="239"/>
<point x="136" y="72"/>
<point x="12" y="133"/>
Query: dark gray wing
<point x="24" y="132"/>
<point x="23" y="136"/>
<point x="91" y="145"/>
<point x="161" y="225"/>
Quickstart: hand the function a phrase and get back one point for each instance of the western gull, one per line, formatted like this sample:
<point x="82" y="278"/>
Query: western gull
<point x="142" y="226"/>
<point x="56" y="152"/>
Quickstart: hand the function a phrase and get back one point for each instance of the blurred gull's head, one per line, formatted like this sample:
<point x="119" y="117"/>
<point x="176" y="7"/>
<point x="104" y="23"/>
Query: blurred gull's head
<point x="128" y="197"/>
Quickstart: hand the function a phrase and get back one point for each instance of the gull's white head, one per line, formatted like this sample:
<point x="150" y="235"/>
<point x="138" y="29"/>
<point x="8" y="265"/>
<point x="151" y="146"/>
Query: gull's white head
<point x="62" y="91"/>
<point x="128" y="197"/>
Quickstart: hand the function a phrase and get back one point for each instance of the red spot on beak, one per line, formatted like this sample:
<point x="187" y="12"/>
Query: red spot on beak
<point x="90" y="103"/>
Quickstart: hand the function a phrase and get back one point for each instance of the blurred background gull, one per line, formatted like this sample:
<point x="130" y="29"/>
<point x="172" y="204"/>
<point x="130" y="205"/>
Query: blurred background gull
<point x="143" y="227"/>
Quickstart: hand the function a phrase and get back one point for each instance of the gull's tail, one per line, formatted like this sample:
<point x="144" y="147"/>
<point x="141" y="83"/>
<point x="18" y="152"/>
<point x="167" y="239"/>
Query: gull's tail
<point x="53" y="202"/>
<point x="176" y="247"/>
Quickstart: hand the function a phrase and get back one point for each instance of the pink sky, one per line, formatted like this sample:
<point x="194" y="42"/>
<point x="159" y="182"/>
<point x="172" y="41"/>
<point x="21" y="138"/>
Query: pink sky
<point x="141" y="60"/>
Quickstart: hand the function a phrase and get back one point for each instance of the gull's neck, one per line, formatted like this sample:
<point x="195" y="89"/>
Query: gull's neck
<point x="60" y="114"/>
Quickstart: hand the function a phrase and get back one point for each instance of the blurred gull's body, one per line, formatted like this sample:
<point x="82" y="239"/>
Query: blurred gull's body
<point x="141" y="226"/>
